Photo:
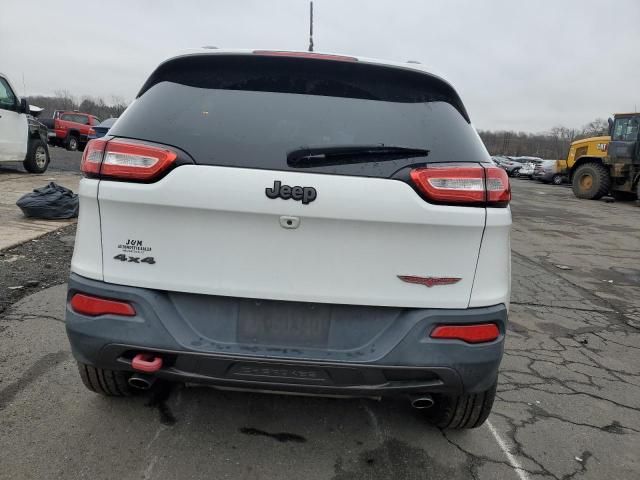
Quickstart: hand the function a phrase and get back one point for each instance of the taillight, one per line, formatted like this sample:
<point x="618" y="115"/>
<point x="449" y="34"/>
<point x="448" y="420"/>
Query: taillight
<point x="479" y="333"/>
<point x="498" y="187"/>
<point x="463" y="184"/>
<point x="92" y="157"/>
<point x="125" y="160"/>
<point x="94" y="306"/>
<point x="91" y="132"/>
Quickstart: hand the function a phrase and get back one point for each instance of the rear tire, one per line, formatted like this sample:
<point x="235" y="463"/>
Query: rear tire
<point x="515" y="172"/>
<point x="72" y="143"/>
<point x="37" y="159"/>
<point x="110" y="383"/>
<point x="591" y="181"/>
<point x="461" y="411"/>
<point x="557" y="179"/>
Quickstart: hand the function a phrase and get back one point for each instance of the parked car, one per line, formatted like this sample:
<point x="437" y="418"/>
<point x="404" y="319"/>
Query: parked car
<point x="301" y="228"/>
<point x="101" y="130"/>
<point x="527" y="169"/>
<point x="550" y="171"/>
<point x="70" y="129"/>
<point x="22" y="137"/>
<point x="526" y="159"/>
<point x="510" y="166"/>
<point x="528" y="165"/>
<point x="498" y="160"/>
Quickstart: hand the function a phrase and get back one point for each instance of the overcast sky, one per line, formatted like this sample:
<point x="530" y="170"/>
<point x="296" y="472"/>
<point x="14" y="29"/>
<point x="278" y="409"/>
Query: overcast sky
<point x="523" y="65"/>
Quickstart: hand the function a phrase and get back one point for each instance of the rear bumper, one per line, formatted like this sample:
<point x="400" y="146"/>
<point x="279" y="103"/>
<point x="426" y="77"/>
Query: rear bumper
<point x="370" y="351"/>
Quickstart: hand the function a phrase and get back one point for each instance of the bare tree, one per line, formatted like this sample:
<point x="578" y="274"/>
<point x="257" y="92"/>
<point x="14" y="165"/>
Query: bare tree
<point x="553" y="144"/>
<point x="65" y="100"/>
<point x="596" y="128"/>
<point x="119" y="105"/>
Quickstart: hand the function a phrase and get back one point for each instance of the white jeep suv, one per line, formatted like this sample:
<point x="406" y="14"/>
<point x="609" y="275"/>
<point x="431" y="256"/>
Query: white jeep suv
<point x="294" y="222"/>
<point x="22" y="137"/>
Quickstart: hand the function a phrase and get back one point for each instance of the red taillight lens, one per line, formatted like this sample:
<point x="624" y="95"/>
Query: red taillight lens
<point x="94" y="306"/>
<point x="446" y="184"/>
<point x="135" y="161"/>
<point x="126" y="160"/>
<point x="498" y="187"/>
<point x="463" y="184"/>
<point x="480" y="333"/>
<point x="92" y="157"/>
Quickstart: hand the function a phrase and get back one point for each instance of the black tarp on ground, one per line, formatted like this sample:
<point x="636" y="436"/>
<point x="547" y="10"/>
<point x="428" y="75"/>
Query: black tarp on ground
<point x="50" y="202"/>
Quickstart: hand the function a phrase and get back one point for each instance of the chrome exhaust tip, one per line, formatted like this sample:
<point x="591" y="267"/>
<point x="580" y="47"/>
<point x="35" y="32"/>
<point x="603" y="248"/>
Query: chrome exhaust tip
<point x="421" y="401"/>
<point x="141" y="382"/>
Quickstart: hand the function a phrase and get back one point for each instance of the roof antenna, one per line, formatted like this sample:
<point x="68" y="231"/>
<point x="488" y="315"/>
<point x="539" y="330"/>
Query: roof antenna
<point x="311" y="26"/>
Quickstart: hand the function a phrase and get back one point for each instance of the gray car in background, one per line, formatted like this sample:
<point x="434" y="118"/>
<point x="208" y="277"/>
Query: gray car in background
<point x="512" y="167"/>
<point x="548" y="171"/>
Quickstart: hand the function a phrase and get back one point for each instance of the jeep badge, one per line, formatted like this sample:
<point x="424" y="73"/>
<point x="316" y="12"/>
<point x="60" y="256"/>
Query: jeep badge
<point x="306" y="194"/>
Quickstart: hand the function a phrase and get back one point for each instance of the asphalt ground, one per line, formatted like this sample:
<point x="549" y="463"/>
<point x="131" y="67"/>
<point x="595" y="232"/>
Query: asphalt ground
<point x="64" y="160"/>
<point x="61" y="160"/>
<point x="568" y="405"/>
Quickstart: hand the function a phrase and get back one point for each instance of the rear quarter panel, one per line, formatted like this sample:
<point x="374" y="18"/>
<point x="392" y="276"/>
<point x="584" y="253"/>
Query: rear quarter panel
<point x="87" y="253"/>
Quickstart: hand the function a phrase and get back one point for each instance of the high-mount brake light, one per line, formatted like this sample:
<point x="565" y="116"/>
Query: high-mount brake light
<point x="319" y="56"/>
<point x="463" y="185"/>
<point x="125" y="160"/>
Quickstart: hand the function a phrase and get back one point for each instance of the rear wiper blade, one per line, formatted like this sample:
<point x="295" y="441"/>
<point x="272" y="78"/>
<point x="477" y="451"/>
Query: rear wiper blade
<point x="327" y="156"/>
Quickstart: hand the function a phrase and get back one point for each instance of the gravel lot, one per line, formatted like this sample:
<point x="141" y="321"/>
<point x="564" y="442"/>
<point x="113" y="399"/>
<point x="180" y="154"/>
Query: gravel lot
<point x="35" y="265"/>
<point x="62" y="159"/>
<point x="568" y="405"/>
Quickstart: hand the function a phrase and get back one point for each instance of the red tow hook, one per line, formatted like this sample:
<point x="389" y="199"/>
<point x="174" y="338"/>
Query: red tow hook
<point x="146" y="362"/>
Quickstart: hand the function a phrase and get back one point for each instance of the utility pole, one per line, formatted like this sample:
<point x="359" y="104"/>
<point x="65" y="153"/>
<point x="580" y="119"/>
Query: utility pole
<point x="311" y="26"/>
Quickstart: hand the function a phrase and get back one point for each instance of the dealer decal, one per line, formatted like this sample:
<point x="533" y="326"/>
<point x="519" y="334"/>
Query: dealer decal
<point x="134" y="251"/>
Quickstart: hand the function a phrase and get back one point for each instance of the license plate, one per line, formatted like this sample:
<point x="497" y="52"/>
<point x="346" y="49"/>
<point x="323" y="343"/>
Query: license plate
<point x="283" y="324"/>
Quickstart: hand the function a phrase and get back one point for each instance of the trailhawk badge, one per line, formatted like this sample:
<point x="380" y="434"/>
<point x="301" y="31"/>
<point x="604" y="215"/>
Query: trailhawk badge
<point x="304" y="194"/>
<point x="429" y="281"/>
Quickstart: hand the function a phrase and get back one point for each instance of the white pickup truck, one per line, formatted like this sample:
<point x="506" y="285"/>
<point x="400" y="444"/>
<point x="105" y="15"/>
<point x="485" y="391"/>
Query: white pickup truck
<point x="22" y="137"/>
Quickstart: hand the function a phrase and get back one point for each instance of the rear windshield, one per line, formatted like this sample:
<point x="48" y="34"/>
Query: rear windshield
<point x="251" y="111"/>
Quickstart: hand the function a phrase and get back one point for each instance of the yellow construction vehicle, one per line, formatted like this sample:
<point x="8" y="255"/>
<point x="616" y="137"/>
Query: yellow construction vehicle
<point x="608" y="165"/>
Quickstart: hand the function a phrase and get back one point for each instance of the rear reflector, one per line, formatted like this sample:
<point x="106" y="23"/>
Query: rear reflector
<point x="484" y="332"/>
<point x="319" y="56"/>
<point x="94" y="306"/>
<point x="463" y="184"/>
<point x="125" y="160"/>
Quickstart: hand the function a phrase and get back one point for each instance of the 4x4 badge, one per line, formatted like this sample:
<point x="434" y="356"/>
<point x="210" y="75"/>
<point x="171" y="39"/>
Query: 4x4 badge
<point x="429" y="281"/>
<point x="306" y="194"/>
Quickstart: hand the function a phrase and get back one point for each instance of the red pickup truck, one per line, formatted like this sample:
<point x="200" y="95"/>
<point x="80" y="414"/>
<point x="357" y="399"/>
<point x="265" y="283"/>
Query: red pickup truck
<point x="70" y="129"/>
